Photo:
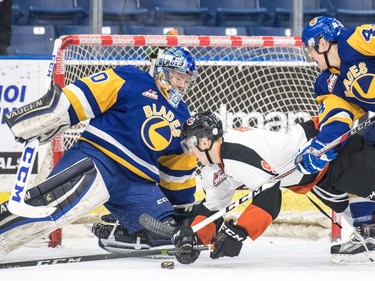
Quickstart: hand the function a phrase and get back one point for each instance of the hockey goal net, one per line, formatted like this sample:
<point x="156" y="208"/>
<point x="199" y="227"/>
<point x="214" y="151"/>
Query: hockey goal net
<point x="261" y="82"/>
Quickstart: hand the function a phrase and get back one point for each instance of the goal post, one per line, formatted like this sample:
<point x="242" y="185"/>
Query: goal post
<point x="259" y="81"/>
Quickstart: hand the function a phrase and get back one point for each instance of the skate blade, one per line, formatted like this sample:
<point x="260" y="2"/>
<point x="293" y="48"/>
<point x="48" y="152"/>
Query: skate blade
<point x="121" y="248"/>
<point x="358" y="259"/>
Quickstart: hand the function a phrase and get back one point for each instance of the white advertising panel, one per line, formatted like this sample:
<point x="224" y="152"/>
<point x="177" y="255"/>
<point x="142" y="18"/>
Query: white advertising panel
<point x="21" y="82"/>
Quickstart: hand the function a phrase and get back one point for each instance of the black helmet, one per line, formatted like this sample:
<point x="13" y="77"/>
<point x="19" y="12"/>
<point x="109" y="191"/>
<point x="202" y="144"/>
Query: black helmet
<point x="201" y="125"/>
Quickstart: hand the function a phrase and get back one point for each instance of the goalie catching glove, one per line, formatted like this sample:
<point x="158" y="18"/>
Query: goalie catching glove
<point x="228" y="241"/>
<point x="42" y="119"/>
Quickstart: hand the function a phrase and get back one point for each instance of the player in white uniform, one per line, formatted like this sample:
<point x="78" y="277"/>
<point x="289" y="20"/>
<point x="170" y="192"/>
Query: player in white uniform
<point x="253" y="157"/>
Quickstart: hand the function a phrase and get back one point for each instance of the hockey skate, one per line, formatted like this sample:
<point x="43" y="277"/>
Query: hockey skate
<point x="114" y="237"/>
<point x="360" y="249"/>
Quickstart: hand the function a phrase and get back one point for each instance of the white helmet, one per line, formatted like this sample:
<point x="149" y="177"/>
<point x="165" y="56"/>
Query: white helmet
<point x="175" y="71"/>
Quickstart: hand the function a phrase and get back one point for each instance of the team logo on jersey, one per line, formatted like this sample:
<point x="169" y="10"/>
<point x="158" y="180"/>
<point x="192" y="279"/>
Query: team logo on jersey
<point x="150" y="94"/>
<point x="190" y="121"/>
<point x="159" y="127"/>
<point x="360" y="83"/>
<point x="156" y="133"/>
<point x="219" y="178"/>
<point x="331" y="82"/>
<point x="267" y="167"/>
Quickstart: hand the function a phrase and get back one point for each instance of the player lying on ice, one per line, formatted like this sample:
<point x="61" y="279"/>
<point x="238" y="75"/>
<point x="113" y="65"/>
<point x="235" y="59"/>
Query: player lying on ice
<point x="129" y="157"/>
<point x="250" y="158"/>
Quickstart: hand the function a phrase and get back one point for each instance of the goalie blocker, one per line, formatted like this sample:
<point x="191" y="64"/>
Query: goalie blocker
<point x="74" y="192"/>
<point x="43" y="118"/>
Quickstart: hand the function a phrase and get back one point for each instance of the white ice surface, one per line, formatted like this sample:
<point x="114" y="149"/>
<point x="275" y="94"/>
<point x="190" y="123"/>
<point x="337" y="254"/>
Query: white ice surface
<point x="268" y="258"/>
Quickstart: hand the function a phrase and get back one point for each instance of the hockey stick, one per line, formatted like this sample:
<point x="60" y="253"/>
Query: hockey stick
<point x="166" y="230"/>
<point x="100" y="257"/>
<point x="17" y="204"/>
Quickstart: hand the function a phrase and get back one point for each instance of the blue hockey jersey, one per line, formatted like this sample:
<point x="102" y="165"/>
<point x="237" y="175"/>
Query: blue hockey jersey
<point x="133" y="124"/>
<point x="336" y="115"/>
<point x="355" y="84"/>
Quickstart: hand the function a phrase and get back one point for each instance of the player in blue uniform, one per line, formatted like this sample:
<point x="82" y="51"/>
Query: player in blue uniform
<point x="345" y="91"/>
<point x="347" y="59"/>
<point x="131" y="147"/>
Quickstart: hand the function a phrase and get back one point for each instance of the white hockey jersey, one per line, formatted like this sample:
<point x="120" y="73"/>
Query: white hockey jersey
<point x="250" y="159"/>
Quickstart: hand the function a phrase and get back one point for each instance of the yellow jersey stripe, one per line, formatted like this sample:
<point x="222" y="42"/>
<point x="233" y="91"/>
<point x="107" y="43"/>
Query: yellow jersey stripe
<point x="181" y="162"/>
<point x="76" y="103"/>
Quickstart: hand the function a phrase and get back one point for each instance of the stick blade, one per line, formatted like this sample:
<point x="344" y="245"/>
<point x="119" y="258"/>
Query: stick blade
<point x="156" y="226"/>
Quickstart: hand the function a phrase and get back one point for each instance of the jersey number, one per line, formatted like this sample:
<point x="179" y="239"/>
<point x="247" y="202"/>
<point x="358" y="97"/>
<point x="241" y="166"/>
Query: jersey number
<point x="99" y="77"/>
<point x="368" y="33"/>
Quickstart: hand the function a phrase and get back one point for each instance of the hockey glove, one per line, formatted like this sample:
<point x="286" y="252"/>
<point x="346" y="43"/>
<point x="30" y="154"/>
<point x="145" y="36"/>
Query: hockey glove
<point x="184" y="237"/>
<point x="228" y="241"/>
<point x="307" y="163"/>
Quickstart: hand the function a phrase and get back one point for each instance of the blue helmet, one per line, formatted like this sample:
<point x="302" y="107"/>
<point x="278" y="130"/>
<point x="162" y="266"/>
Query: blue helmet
<point x="321" y="27"/>
<point x="174" y="62"/>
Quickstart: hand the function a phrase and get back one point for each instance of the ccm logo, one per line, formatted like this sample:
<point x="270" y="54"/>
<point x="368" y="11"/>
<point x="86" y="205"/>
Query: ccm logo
<point x="162" y="200"/>
<point x="23" y="172"/>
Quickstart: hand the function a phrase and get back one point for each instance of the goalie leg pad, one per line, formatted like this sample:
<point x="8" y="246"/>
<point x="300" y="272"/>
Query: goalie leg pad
<point x="75" y="191"/>
<point x="41" y="119"/>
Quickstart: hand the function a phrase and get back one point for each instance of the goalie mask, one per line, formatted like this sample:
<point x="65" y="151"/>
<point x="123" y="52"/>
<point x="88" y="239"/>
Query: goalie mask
<point x="175" y="71"/>
<point x="200" y="125"/>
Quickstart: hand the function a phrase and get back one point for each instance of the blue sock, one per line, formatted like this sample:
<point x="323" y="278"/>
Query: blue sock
<point x="362" y="213"/>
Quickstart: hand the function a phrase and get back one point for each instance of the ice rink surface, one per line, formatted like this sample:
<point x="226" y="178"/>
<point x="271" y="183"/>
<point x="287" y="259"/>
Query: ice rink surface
<point x="268" y="258"/>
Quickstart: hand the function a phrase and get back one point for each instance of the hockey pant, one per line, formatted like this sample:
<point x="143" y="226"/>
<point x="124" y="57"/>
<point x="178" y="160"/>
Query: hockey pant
<point x="128" y="198"/>
<point x="352" y="172"/>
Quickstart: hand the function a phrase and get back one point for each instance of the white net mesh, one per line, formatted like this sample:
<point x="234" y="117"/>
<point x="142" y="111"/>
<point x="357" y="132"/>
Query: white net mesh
<point x="250" y="81"/>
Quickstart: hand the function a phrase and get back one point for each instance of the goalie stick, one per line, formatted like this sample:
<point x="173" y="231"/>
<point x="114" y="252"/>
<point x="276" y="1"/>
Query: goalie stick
<point x="100" y="257"/>
<point x="166" y="230"/>
<point x="17" y="204"/>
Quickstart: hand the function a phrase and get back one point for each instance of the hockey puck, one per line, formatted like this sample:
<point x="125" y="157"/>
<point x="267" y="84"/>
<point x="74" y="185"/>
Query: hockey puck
<point x="167" y="264"/>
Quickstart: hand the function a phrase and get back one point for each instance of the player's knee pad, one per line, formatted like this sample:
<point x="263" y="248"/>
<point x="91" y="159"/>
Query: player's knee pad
<point x="74" y="192"/>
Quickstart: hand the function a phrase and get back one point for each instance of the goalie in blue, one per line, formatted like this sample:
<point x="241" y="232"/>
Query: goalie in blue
<point x="129" y="157"/>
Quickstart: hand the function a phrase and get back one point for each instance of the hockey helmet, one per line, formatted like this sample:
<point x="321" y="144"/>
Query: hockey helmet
<point x="198" y="126"/>
<point x="321" y="27"/>
<point x="175" y="71"/>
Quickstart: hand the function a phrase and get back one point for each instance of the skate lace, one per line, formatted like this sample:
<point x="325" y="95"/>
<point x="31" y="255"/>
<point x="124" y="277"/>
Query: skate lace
<point x="357" y="238"/>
